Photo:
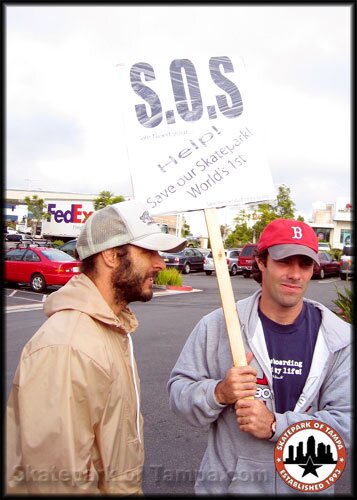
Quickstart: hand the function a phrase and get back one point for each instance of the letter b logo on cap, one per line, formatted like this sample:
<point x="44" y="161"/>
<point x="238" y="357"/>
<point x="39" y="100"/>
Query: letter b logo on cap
<point x="297" y="232"/>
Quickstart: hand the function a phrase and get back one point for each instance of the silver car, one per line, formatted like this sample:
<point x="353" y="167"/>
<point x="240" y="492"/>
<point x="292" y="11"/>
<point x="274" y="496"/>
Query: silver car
<point x="232" y="262"/>
<point x="347" y="263"/>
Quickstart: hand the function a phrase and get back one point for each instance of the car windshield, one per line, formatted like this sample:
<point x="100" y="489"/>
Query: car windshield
<point x="70" y="244"/>
<point x="56" y="255"/>
<point x="247" y="251"/>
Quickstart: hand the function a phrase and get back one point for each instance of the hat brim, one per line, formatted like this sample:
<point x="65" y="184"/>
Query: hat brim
<point x="161" y="242"/>
<point x="278" y="252"/>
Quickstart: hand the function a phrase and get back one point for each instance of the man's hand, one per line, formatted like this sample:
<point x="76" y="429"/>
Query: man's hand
<point x="238" y="383"/>
<point x="254" y="417"/>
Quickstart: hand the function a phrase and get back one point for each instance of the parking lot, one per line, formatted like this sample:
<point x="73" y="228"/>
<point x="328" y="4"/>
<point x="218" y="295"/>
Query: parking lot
<point x="20" y="297"/>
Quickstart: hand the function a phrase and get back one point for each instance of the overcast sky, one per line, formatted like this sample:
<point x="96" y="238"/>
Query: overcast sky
<point x="63" y="105"/>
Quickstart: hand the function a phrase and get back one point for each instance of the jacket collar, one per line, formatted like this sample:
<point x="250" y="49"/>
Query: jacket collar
<point x="81" y="294"/>
<point x="337" y="332"/>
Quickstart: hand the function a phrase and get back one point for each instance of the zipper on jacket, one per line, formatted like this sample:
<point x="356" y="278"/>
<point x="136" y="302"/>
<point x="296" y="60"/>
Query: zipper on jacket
<point x="135" y="386"/>
<point x="260" y="361"/>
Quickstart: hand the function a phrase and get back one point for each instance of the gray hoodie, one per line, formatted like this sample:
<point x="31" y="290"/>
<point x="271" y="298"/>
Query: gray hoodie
<point x="235" y="462"/>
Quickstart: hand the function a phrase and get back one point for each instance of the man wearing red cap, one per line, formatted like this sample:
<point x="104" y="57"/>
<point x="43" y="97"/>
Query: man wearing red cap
<point x="299" y="368"/>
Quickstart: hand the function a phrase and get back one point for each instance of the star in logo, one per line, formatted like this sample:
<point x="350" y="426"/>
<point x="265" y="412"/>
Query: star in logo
<point x="310" y="468"/>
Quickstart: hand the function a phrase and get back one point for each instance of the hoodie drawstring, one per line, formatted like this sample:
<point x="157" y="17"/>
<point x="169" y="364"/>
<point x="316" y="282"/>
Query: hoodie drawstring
<point x="136" y="387"/>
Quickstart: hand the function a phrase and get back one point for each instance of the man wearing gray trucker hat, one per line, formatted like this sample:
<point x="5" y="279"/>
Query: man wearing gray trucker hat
<point x="74" y="424"/>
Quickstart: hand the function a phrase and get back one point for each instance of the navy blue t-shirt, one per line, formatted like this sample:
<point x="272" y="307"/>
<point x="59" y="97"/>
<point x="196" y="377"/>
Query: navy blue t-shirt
<point x="290" y="349"/>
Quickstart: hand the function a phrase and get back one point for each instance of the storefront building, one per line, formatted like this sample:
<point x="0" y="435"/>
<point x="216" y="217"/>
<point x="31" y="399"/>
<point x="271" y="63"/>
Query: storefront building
<point x="333" y="222"/>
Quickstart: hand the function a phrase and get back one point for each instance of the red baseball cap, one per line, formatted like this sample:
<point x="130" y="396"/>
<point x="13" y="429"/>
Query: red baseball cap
<point x="286" y="237"/>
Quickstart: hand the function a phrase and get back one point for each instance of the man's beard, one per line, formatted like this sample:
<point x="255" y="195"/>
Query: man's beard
<point x="128" y="284"/>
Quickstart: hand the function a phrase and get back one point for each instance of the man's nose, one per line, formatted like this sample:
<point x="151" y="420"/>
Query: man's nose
<point x="159" y="261"/>
<point x="295" y="268"/>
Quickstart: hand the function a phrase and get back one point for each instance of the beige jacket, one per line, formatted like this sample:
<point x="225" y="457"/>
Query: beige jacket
<point x="73" y="416"/>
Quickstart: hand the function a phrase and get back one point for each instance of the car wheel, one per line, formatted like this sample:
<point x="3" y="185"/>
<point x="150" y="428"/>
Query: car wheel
<point x="208" y="273"/>
<point x="186" y="268"/>
<point x="233" y="271"/>
<point x="322" y="274"/>
<point x="343" y="276"/>
<point x="38" y="283"/>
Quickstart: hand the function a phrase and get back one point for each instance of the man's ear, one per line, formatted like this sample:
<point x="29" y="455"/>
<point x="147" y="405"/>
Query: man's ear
<point x="109" y="257"/>
<point x="259" y="263"/>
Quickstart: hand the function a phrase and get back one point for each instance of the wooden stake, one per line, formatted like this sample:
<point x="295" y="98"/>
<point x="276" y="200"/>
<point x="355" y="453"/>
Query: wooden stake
<point x="225" y="289"/>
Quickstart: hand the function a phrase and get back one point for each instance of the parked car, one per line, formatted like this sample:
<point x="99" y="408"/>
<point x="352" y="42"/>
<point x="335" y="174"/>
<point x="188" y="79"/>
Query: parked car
<point x="232" y="262"/>
<point x="246" y="259"/>
<point x="347" y="263"/>
<point x="323" y="246"/>
<point x="327" y="267"/>
<point x="69" y="247"/>
<point x="16" y="237"/>
<point x="39" y="266"/>
<point x="9" y="230"/>
<point x="11" y="240"/>
<point x="190" y="259"/>
<point x="205" y="251"/>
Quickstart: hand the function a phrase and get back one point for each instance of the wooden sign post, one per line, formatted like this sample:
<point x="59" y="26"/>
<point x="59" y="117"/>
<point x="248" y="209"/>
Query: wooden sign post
<point x="225" y="289"/>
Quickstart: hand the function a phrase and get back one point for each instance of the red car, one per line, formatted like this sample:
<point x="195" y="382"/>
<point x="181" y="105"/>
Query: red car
<point x="246" y="259"/>
<point x="39" y="266"/>
<point x="327" y="267"/>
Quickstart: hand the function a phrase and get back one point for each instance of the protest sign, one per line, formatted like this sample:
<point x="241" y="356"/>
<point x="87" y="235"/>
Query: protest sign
<point x="192" y="145"/>
<point x="190" y="136"/>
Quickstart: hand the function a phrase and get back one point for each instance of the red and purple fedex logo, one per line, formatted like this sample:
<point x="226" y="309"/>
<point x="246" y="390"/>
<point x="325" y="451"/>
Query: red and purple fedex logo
<point x="76" y="214"/>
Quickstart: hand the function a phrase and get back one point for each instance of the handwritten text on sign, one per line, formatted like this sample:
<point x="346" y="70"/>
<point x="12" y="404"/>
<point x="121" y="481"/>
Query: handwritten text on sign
<point x="191" y="141"/>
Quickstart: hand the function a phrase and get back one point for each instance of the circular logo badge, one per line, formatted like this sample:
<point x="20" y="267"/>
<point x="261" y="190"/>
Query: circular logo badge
<point x="310" y="456"/>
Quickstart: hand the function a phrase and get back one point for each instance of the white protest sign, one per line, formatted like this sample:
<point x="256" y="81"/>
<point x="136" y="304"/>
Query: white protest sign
<point x="192" y="145"/>
<point x="190" y="136"/>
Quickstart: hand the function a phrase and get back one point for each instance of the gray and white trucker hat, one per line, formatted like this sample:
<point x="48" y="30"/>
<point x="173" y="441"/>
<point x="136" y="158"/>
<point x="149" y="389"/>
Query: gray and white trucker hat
<point x="123" y="223"/>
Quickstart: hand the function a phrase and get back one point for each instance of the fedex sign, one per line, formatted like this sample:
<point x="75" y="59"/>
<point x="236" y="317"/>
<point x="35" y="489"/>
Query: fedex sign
<point x="76" y="214"/>
<point x="66" y="217"/>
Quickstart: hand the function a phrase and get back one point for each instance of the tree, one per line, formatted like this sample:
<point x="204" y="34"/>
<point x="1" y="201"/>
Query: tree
<point x="38" y="209"/>
<point x="284" y="208"/>
<point x="185" y="230"/>
<point x="263" y="215"/>
<point x="106" y="198"/>
<point x="242" y="233"/>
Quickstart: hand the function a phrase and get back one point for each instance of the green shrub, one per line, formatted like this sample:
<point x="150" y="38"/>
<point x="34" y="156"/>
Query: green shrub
<point x="344" y="304"/>
<point x="58" y="243"/>
<point x="169" y="276"/>
<point x="335" y="253"/>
